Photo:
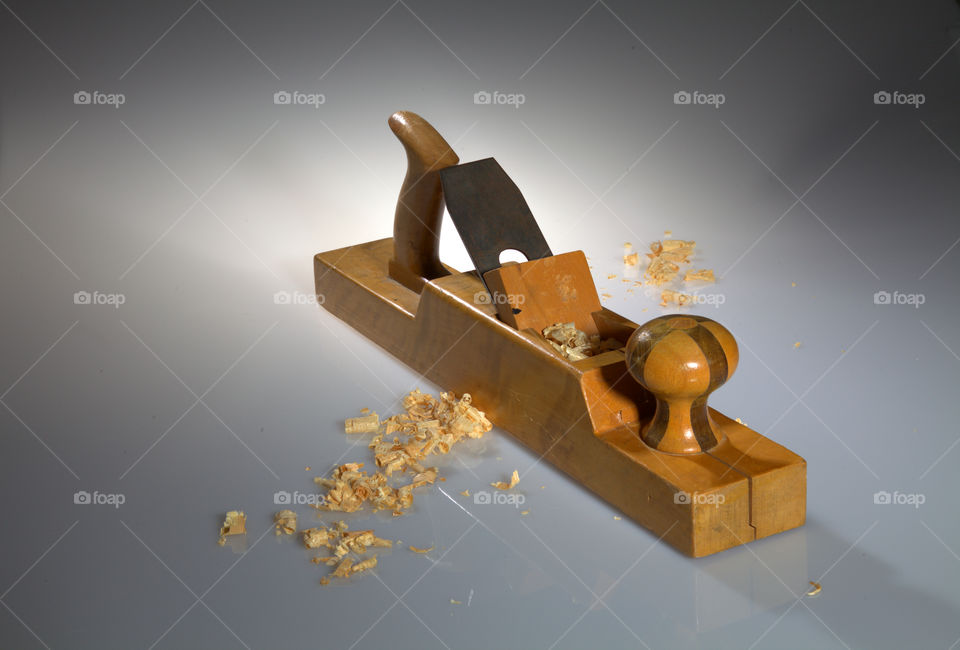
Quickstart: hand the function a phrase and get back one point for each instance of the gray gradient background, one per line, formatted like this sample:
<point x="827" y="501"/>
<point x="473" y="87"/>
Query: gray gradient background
<point x="199" y="199"/>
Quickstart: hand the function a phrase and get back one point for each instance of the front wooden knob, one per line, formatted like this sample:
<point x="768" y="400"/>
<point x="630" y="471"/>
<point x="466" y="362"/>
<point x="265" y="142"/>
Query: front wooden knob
<point x="681" y="359"/>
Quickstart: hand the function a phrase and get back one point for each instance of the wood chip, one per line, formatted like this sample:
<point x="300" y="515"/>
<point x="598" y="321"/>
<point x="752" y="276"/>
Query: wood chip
<point x="465" y="493"/>
<point x="632" y="259"/>
<point x="503" y="485"/>
<point x="816" y="588"/>
<point x="797" y="344"/>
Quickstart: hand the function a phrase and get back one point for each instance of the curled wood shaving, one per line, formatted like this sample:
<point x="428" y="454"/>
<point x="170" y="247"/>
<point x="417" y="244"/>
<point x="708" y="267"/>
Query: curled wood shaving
<point x="420" y="550"/>
<point x="816" y="588"/>
<point x="364" y="565"/>
<point x="503" y="485"/>
<point x="343" y="569"/>
<point x="315" y="537"/>
<point x="235" y="523"/>
<point x="364" y="424"/>
<point x="285" y="522"/>
<point x="699" y="275"/>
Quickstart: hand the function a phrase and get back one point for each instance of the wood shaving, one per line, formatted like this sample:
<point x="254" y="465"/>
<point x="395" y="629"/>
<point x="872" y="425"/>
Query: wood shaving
<point x="573" y="344"/>
<point x="632" y="259"/>
<point x="455" y="602"/>
<point x="524" y="512"/>
<point x="699" y="275"/>
<point x="797" y="344"/>
<point x="285" y="522"/>
<point x="364" y="565"/>
<point x="816" y="588"/>
<point x="420" y="550"/>
<point x="503" y="485"/>
<point x="667" y="233"/>
<point x="365" y="424"/>
<point x="465" y="493"/>
<point x="343" y="569"/>
<point x="611" y="276"/>
<point x="235" y="523"/>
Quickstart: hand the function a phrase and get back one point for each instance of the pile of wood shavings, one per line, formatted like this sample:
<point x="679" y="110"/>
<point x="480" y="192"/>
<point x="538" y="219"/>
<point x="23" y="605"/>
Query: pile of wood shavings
<point x="573" y="344"/>
<point x="347" y="549"/>
<point x="401" y="442"/>
<point x="429" y="426"/>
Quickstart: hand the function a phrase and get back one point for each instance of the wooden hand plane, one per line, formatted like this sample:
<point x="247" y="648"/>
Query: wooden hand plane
<point x="632" y="424"/>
